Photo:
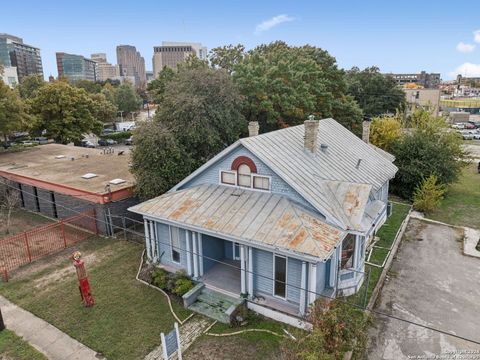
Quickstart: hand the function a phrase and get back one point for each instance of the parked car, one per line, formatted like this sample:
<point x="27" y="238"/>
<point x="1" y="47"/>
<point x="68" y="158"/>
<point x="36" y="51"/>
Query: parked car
<point x="87" y="144"/>
<point x="467" y="135"/>
<point x="129" y="141"/>
<point x="41" y="140"/>
<point x="106" y="142"/>
<point x="469" y="126"/>
<point x="108" y="131"/>
<point x="28" y="142"/>
<point x="459" y="126"/>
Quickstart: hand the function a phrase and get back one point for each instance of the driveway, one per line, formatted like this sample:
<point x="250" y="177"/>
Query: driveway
<point x="432" y="283"/>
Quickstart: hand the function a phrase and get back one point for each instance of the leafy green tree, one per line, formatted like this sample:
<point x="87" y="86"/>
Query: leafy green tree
<point x="428" y="194"/>
<point x="13" y="114"/>
<point x="104" y="110"/>
<point x="385" y="130"/>
<point x="159" y="161"/>
<point x="156" y="88"/>
<point x="65" y="112"/>
<point x="127" y="99"/>
<point x="202" y="108"/>
<point x="90" y="87"/>
<point x="227" y="57"/>
<point x="29" y="85"/>
<point x="375" y="93"/>
<point x="284" y="84"/>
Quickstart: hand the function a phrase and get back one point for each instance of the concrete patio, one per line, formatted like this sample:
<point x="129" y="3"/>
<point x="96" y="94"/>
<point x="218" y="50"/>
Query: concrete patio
<point x="225" y="276"/>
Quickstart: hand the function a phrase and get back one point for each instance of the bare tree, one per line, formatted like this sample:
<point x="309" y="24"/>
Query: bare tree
<point x="9" y="200"/>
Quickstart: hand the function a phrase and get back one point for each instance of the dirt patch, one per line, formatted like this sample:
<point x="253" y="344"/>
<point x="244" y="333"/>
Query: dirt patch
<point x="22" y="220"/>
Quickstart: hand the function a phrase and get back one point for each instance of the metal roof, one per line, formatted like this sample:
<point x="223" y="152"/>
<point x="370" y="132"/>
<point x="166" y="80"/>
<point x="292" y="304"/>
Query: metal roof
<point x="261" y="218"/>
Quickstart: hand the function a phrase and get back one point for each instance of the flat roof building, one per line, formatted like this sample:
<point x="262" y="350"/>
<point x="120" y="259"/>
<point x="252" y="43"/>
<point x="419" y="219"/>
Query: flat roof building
<point x="173" y="53"/>
<point x="105" y="70"/>
<point x="25" y="58"/>
<point x="424" y="79"/>
<point x="131" y="64"/>
<point x="76" y="67"/>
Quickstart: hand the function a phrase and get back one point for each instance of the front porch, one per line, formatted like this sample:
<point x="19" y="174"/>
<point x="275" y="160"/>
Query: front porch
<point x="224" y="276"/>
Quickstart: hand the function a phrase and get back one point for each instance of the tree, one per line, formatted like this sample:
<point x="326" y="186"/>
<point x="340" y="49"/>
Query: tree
<point x="104" y="110"/>
<point x="375" y="93"/>
<point x="385" y="130"/>
<point x="126" y="98"/>
<point x="9" y="200"/>
<point x="156" y="88"/>
<point x="284" y="84"/>
<point x="337" y="327"/>
<point x="227" y="57"/>
<point x="13" y="115"/>
<point x="29" y="85"/>
<point x="428" y="194"/>
<point x="159" y="161"/>
<point x="90" y="87"/>
<point x="201" y="106"/>
<point x="65" y="112"/>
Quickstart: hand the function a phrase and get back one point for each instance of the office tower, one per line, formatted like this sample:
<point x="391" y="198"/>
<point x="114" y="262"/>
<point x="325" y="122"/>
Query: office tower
<point x="25" y="58"/>
<point x="76" y="67"/>
<point x="105" y="70"/>
<point x="173" y="53"/>
<point x="131" y="63"/>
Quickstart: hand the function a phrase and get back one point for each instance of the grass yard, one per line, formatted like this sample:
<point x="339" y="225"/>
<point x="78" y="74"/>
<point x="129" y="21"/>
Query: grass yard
<point x="13" y="347"/>
<point x="461" y="203"/>
<point x="127" y="318"/>
<point x="22" y="220"/>
<point x="387" y="235"/>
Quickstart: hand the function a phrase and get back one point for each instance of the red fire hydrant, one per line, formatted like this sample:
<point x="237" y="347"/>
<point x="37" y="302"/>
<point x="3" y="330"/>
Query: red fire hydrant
<point x="83" y="284"/>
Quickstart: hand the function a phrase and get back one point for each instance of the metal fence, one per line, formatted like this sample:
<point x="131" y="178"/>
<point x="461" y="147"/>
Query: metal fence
<point x="25" y="247"/>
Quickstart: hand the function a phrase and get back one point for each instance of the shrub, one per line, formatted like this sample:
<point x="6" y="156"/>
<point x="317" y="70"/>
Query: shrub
<point x="182" y="286"/>
<point x="428" y="194"/>
<point x="121" y="135"/>
<point x="161" y="279"/>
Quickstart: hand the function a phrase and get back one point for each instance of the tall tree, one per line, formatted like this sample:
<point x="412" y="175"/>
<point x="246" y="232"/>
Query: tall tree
<point x="375" y="93"/>
<point x="104" y="110"/>
<point x="385" y="131"/>
<point x="91" y="87"/>
<point x="65" y="112"/>
<point x="126" y="98"/>
<point x="202" y="108"/>
<point x="284" y="84"/>
<point x="227" y="57"/>
<point x="156" y="88"/>
<point x="13" y="114"/>
<point x="29" y="85"/>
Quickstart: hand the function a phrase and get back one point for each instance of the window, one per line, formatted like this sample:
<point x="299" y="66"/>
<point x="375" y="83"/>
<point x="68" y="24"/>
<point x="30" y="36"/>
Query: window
<point x="228" y="177"/>
<point x="54" y="204"/>
<point x="280" y="271"/>
<point x="348" y="251"/>
<point x="175" y="243"/>
<point x="261" y="182"/>
<point x="37" y="202"/>
<point x="236" y="251"/>
<point x="244" y="176"/>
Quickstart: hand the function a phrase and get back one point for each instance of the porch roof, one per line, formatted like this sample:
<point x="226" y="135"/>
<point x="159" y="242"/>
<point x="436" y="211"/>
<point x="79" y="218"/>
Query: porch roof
<point x="257" y="217"/>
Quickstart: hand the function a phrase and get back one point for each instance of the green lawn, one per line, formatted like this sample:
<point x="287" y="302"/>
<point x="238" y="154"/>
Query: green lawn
<point x="22" y="220"/>
<point x="387" y="235"/>
<point x="13" y="347"/>
<point x="461" y="205"/>
<point x="127" y="318"/>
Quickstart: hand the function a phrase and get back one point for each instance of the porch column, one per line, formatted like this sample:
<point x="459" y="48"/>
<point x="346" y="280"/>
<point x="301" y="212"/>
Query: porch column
<point x="200" y="253"/>
<point x="250" y="272"/>
<point x="242" y="270"/>
<point x="312" y="289"/>
<point x="153" y="241"/>
<point x="303" y="288"/>
<point x="148" y="246"/>
<point x="195" y="255"/>
<point x="189" y="253"/>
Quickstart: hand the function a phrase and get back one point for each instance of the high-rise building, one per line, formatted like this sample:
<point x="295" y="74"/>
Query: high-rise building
<point x="25" y="58"/>
<point x="131" y="64"/>
<point x="105" y="70"/>
<point x="76" y="67"/>
<point x="173" y="53"/>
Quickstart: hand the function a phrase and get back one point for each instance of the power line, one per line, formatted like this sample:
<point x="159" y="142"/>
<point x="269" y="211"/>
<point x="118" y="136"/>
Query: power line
<point x="265" y="276"/>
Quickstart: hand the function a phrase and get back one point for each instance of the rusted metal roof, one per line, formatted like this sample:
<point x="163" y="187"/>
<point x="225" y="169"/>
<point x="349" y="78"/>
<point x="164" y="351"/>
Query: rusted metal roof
<point x="256" y="217"/>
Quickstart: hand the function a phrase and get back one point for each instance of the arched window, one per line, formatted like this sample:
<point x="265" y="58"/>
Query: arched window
<point x="244" y="174"/>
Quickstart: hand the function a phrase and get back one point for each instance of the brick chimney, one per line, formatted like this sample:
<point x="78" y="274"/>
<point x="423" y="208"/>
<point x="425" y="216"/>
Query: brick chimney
<point x="366" y="131"/>
<point x="311" y="132"/>
<point x="253" y="128"/>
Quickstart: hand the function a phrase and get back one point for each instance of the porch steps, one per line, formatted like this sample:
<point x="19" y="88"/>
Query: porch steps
<point x="215" y="305"/>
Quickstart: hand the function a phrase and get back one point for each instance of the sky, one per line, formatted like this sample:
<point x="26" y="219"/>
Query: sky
<point x="397" y="36"/>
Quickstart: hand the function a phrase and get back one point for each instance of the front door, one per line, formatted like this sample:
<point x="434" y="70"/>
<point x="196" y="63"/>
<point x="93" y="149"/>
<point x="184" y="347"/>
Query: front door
<point x="280" y="273"/>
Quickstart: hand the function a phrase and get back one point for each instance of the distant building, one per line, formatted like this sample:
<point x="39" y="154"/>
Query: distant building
<point x="131" y="64"/>
<point x="173" y="53"/>
<point x="424" y="79"/>
<point x="25" y="58"/>
<point x="150" y="76"/>
<point x="425" y="98"/>
<point x="105" y="70"/>
<point x="464" y="80"/>
<point x="9" y="76"/>
<point x="76" y="67"/>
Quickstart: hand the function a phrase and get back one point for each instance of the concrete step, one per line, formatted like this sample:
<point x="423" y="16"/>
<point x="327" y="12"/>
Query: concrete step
<point x="214" y="305"/>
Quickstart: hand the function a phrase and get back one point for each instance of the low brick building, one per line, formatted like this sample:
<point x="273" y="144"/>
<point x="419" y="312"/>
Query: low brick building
<point x="60" y="181"/>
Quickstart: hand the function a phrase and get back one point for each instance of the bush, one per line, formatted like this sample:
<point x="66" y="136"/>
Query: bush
<point x="121" y="135"/>
<point x="182" y="286"/>
<point x="161" y="278"/>
<point x="428" y="194"/>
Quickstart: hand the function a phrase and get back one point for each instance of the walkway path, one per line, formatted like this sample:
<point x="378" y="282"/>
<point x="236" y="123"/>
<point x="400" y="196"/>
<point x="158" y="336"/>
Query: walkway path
<point x="193" y="328"/>
<point x="46" y="338"/>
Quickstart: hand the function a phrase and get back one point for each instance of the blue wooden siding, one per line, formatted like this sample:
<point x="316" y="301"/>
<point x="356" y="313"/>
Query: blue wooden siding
<point x="262" y="271"/>
<point x="163" y="240"/>
<point x="294" y="279"/>
<point x="213" y="249"/>
<point x="228" y="250"/>
<point x="382" y="193"/>
<point x="322" y="270"/>
<point x="279" y="186"/>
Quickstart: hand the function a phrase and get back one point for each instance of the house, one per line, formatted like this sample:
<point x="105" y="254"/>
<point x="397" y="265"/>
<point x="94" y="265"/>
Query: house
<point x="61" y="181"/>
<point x="282" y="218"/>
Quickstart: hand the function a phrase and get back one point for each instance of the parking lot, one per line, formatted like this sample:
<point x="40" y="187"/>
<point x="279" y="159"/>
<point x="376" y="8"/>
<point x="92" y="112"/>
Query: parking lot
<point x="433" y="284"/>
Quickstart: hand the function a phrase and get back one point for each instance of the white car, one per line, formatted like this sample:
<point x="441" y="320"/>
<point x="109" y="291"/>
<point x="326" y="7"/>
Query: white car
<point x="459" y="126"/>
<point x="467" y="135"/>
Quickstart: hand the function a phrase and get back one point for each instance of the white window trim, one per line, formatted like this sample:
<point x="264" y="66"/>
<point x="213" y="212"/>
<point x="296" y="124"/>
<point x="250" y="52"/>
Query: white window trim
<point x="229" y="172"/>
<point x="233" y="248"/>
<point x="244" y="187"/>
<point x="171" y="246"/>
<point x="286" y="277"/>
<point x="262" y="176"/>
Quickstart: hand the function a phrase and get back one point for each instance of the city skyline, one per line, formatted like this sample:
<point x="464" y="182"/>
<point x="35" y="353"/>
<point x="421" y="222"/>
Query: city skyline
<point x="396" y="38"/>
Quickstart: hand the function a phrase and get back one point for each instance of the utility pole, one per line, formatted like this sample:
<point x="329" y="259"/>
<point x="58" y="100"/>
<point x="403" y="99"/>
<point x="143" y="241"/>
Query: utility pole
<point x="2" y="324"/>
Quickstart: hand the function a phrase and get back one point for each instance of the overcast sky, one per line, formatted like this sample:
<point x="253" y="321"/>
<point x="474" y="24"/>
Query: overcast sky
<point x="397" y="36"/>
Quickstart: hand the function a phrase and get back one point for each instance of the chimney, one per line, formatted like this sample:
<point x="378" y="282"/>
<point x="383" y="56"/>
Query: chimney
<point x="253" y="128"/>
<point x="366" y="131"/>
<point x="311" y="131"/>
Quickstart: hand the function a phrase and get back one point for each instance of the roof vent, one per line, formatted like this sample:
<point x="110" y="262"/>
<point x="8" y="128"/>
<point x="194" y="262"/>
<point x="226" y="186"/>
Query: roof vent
<point x="89" y="175"/>
<point x="60" y="157"/>
<point x="324" y="147"/>
<point x="117" y="181"/>
<point x="358" y="163"/>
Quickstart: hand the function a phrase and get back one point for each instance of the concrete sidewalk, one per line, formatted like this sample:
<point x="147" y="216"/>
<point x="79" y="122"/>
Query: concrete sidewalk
<point x="46" y="338"/>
